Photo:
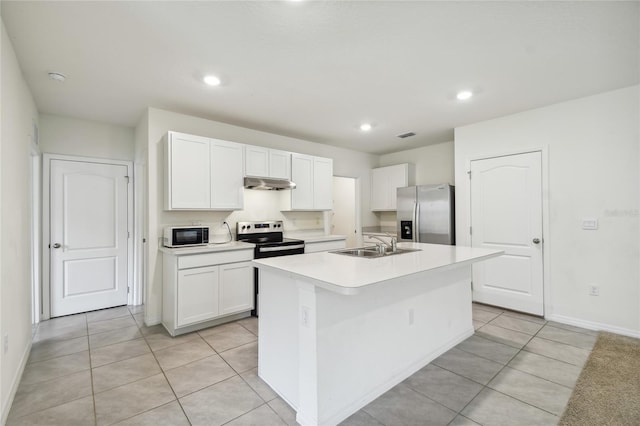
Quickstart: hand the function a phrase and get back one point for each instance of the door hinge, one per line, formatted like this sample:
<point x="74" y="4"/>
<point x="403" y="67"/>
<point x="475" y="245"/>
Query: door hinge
<point x="469" y="173"/>
<point x="128" y="179"/>
<point x="128" y="290"/>
<point x="471" y="285"/>
<point x="470" y="231"/>
<point x="128" y="234"/>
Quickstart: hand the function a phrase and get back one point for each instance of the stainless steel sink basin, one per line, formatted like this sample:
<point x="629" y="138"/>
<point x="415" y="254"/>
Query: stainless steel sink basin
<point x="373" y="252"/>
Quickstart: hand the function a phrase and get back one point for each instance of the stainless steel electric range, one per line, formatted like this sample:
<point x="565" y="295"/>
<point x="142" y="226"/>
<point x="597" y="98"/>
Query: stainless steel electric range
<point x="269" y="239"/>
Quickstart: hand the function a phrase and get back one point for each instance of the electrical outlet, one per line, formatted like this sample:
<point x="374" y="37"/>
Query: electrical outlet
<point x="594" y="290"/>
<point x="5" y="343"/>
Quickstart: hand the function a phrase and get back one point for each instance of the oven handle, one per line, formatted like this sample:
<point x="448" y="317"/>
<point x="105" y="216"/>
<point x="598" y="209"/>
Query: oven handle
<point x="283" y="248"/>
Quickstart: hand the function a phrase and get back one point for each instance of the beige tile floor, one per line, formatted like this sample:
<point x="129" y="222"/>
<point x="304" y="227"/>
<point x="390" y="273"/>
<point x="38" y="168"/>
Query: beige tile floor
<point x="106" y="367"/>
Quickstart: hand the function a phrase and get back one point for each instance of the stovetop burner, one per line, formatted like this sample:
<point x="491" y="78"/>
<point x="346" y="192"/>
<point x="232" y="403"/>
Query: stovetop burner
<point x="264" y="233"/>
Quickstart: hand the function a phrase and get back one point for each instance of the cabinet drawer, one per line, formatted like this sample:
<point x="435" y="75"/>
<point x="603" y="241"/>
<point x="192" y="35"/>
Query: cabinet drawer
<point x="218" y="258"/>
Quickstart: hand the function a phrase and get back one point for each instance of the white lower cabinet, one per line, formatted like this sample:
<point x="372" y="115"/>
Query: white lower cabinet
<point x="202" y="290"/>
<point x="236" y="288"/>
<point x="197" y="295"/>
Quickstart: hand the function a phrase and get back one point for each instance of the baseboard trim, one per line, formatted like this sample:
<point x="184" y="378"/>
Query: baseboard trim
<point x="152" y="320"/>
<point x="6" y="404"/>
<point x="592" y="325"/>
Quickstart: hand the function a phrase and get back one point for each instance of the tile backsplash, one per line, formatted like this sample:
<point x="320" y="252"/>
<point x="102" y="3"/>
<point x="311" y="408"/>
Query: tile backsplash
<point x="258" y="205"/>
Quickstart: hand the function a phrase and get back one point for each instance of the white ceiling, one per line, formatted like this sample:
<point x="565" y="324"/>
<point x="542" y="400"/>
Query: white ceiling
<point x="316" y="70"/>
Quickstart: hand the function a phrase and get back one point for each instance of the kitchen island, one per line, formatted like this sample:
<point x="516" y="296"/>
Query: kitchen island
<point x="338" y="331"/>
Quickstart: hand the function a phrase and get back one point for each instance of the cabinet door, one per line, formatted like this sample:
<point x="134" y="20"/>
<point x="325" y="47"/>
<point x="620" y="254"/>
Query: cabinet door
<point x="322" y="183"/>
<point x="236" y="287"/>
<point x="379" y="190"/>
<point x="197" y="295"/>
<point x="302" y="176"/>
<point x="227" y="175"/>
<point x="397" y="177"/>
<point x="188" y="183"/>
<point x="256" y="161"/>
<point x="279" y="164"/>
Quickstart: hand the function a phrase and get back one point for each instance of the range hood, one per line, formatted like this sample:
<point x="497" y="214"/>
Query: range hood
<point x="268" y="183"/>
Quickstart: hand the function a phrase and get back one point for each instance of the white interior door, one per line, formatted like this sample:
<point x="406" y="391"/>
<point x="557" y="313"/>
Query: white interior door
<point x="88" y="252"/>
<point x="506" y="214"/>
<point x="343" y="220"/>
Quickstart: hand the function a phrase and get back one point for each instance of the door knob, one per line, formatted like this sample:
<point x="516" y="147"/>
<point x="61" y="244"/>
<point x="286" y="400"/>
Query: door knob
<point x="57" y="245"/>
<point x="536" y="241"/>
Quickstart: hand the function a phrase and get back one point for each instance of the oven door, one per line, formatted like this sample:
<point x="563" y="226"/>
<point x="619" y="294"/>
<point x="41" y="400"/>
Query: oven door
<point x="265" y="251"/>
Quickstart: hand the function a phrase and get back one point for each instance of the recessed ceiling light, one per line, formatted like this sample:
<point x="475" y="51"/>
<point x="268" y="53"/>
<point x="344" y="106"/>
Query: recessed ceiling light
<point x="212" y="80"/>
<point x="464" y="95"/>
<point x="365" y="127"/>
<point x="56" y="76"/>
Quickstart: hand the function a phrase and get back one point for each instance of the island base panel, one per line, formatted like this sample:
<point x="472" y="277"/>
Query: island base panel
<point x="328" y="355"/>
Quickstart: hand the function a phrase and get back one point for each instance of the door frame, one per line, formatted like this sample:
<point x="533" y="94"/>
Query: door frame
<point x="357" y="210"/>
<point x="546" y="247"/>
<point x="134" y="286"/>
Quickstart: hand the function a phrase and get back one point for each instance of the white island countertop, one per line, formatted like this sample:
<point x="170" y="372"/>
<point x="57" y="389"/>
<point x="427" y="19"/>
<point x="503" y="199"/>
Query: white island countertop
<point x="348" y="274"/>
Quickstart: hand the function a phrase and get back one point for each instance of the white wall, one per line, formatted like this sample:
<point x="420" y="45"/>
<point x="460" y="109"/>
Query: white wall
<point x="18" y="114"/>
<point x="72" y="136"/>
<point x="592" y="172"/>
<point x="432" y="163"/>
<point x="258" y="205"/>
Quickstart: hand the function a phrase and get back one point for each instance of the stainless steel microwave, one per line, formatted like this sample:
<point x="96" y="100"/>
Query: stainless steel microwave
<point x="185" y="236"/>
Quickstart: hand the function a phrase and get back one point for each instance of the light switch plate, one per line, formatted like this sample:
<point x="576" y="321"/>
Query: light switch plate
<point x="589" y="223"/>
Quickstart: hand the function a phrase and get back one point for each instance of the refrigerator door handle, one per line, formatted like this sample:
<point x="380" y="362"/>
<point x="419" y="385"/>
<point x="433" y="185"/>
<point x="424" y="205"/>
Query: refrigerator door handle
<point x="416" y="222"/>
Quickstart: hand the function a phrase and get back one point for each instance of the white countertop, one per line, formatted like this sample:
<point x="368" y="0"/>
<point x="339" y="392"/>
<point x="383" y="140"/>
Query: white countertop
<point x="313" y="236"/>
<point x="348" y="274"/>
<point x="211" y="248"/>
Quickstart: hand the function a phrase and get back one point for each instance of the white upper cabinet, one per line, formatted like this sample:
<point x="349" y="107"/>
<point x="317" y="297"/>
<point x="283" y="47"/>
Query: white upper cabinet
<point x="256" y="161"/>
<point x="203" y="173"/>
<point x="385" y="181"/>
<point x="227" y="180"/>
<point x="302" y="176"/>
<point x="265" y="162"/>
<point x="187" y="179"/>
<point x="279" y="164"/>
<point x="313" y="177"/>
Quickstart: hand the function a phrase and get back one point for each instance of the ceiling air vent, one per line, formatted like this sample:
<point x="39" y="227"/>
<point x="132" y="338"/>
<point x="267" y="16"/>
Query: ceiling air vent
<point x="406" y="135"/>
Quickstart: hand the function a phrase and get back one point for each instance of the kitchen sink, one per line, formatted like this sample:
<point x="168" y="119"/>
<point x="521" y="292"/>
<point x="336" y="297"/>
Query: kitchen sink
<point x="372" y="252"/>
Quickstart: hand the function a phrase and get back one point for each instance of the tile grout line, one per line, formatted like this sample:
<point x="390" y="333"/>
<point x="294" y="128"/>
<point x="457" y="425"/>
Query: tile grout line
<point x="93" y="394"/>
<point x="524" y="372"/>
<point x="486" y="386"/>
<point x="241" y="378"/>
<point x="59" y="377"/>
<point x="162" y="371"/>
<point x="168" y="382"/>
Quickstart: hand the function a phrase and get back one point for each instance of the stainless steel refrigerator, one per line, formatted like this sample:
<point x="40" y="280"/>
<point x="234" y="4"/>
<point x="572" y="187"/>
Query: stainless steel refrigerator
<point x="426" y="214"/>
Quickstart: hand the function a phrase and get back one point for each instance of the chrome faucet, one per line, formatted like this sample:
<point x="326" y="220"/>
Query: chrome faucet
<point x="393" y="246"/>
